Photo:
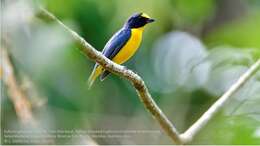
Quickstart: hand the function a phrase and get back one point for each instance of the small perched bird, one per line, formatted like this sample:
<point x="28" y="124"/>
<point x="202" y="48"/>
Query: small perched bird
<point x="123" y="44"/>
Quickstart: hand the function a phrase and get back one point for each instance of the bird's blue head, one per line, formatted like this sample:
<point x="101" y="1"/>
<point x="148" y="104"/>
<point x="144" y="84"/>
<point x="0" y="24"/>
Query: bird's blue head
<point x="138" y="20"/>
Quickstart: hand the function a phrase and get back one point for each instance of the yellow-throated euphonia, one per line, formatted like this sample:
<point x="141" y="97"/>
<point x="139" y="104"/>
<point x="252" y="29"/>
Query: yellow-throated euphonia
<point x="123" y="44"/>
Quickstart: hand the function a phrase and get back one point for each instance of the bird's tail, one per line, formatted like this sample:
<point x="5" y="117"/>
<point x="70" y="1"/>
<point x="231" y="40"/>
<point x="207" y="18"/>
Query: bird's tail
<point x="95" y="73"/>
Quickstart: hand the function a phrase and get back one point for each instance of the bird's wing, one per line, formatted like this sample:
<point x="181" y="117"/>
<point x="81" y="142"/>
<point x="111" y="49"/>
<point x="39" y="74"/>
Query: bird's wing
<point x="116" y="43"/>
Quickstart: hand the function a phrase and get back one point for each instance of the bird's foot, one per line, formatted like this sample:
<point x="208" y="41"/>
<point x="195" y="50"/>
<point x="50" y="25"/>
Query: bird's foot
<point x="135" y="72"/>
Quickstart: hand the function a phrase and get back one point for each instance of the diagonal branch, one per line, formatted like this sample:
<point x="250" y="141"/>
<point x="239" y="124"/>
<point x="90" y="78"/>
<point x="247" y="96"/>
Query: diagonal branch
<point x="21" y="104"/>
<point x="143" y="92"/>
<point x="19" y="95"/>
<point x="210" y="113"/>
<point x="135" y="79"/>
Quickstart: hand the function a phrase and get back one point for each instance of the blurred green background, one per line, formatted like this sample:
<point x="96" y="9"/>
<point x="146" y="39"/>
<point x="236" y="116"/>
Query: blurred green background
<point x="189" y="57"/>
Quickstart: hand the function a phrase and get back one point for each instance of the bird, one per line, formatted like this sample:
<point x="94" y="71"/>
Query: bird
<point x="122" y="45"/>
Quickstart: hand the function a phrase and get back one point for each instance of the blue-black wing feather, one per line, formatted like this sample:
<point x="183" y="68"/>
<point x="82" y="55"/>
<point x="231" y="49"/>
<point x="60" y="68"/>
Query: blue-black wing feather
<point x="114" y="45"/>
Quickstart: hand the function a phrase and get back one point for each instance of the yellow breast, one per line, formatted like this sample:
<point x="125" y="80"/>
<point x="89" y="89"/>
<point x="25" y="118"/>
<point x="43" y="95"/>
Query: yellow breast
<point x="130" y="47"/>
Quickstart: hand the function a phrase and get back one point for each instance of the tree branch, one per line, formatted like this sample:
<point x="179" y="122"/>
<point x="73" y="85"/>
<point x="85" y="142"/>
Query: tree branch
<point x="135" y="79"/>
<point x="143" y="92"/>
<point x="19" y="95"/>
<point x="21" y="104"/>
<point x="188" y="135"/>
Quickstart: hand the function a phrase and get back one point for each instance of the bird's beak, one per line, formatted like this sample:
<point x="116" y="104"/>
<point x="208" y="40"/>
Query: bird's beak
<point x="150" y="20"/>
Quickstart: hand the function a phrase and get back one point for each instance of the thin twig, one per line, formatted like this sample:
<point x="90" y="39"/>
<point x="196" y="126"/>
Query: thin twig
<point x="204" y="119"/>
<point x="19" y="95"/>
<point x="21" y="104"/>
<point x="143" y="92"/>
